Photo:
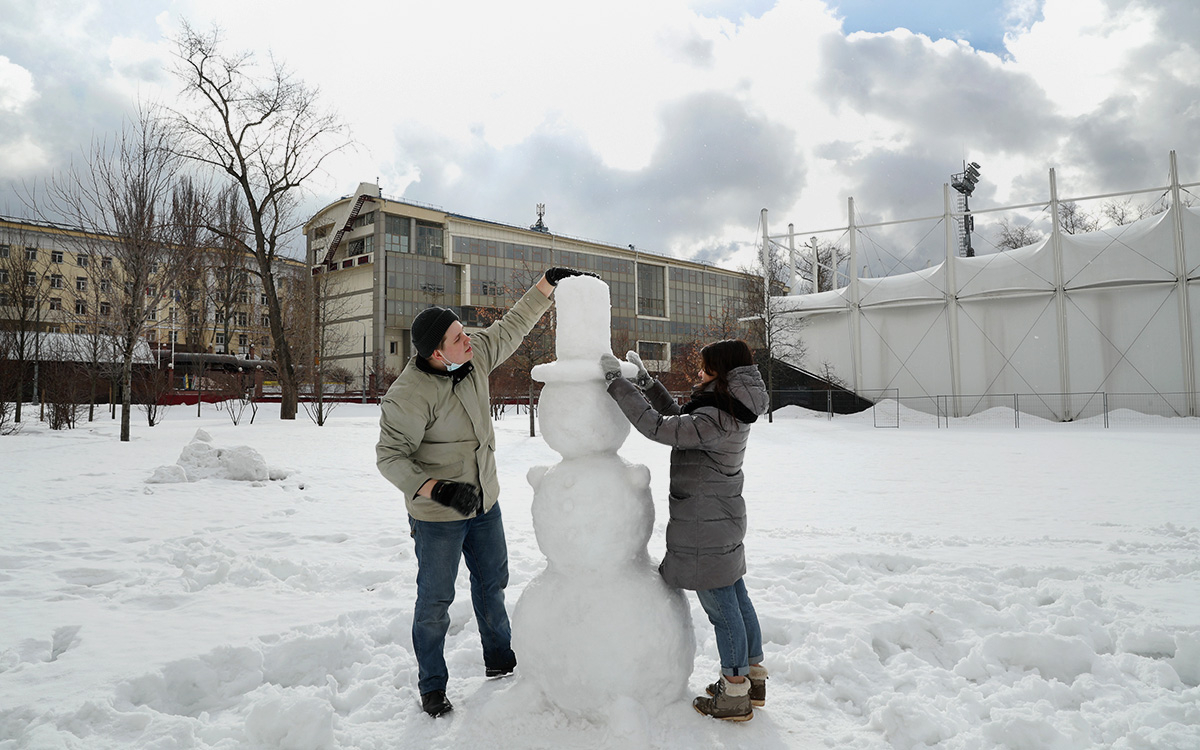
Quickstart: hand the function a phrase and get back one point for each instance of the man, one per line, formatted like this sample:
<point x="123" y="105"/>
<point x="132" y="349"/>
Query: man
<point x="437" y="445"/>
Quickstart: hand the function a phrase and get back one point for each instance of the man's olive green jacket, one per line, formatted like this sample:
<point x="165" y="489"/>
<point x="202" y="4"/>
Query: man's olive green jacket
<point x="439" y="425"/>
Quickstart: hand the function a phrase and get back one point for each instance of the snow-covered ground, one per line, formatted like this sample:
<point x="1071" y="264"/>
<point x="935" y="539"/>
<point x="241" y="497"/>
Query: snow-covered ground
<point x="971" y="587"/>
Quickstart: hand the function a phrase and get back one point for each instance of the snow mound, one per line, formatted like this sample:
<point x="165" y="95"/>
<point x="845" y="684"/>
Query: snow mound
<point x="200" y="459"/>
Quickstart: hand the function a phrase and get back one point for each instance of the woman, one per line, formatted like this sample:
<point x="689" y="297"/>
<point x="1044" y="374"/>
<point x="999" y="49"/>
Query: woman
<point x="708" y="438"/>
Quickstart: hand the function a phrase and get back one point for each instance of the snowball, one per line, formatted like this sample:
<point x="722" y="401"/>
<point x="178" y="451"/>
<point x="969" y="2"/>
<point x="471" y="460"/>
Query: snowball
<point x="590" y="641"/>
<point x="170" y="474"/>
<point x="581" y="418"/>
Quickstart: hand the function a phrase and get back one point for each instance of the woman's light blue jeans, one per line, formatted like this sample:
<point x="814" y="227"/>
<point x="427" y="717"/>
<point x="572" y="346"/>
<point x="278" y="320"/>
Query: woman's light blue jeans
<point x="739" y="639"/>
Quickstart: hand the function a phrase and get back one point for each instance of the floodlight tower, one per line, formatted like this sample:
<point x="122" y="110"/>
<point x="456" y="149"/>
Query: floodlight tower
<point x="964" y="182"/>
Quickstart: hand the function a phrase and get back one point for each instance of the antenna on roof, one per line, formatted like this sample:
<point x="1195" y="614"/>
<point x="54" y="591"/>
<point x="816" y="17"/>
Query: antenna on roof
<point x="540" y="226"/>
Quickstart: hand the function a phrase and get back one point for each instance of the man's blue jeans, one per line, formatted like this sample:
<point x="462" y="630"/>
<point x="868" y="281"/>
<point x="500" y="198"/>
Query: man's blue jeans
<point x="739" y="639"/>
<point x="439" y="545"/>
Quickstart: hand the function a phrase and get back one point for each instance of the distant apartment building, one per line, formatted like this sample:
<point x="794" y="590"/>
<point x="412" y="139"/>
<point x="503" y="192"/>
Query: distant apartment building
<point x="55" y="279"/>
<point x="383" y="260"/>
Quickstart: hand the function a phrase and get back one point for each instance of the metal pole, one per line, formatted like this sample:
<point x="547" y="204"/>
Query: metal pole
<point x="1060" y="299"/>
<point x="364" y="365"/>
<point x="855" y="308"/>
<point x="951" y="292"/>
<point x="792" y="259"/>
<point x="816" y="264"/>
<point x="1181" y="275"/>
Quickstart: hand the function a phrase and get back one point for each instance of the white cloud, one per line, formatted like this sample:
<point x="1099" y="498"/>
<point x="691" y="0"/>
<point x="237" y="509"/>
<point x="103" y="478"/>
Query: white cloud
<point x="16" y="86"/>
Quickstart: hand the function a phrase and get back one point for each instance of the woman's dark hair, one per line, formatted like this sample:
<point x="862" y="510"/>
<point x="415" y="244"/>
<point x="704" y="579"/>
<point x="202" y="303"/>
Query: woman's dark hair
<point x="719" y="358"/>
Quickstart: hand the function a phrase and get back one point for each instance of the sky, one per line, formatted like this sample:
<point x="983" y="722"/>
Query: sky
<point x="669" y="124"/>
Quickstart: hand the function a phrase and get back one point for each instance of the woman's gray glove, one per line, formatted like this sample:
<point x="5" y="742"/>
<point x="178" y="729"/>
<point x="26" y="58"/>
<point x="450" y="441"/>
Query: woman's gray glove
<point x="611" y="366"/>
<point x="643" y="379"/>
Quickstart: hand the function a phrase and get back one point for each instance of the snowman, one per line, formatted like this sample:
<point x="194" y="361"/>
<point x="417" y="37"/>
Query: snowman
<point x="597" y="630"/>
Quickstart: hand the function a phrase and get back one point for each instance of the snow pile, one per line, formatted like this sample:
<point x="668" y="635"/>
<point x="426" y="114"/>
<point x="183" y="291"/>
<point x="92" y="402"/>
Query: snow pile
<point x="201" y="459"/>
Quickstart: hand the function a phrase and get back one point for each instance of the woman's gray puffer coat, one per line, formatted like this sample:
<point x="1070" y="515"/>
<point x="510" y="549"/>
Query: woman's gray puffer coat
<point x="708" y="514"/>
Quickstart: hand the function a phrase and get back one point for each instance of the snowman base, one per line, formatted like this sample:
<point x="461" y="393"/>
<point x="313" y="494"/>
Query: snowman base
<point x="600" y="643"/>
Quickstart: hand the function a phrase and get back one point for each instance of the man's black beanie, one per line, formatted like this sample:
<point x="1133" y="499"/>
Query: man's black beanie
<point x="429" y="327"/>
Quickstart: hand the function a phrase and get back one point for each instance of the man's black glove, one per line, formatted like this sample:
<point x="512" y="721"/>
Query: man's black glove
<point x="462" y="497"/>
<point x="558" y="273"/>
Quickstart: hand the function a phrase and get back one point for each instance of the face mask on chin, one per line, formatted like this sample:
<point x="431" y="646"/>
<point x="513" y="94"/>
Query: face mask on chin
<point x="450" y="366"/>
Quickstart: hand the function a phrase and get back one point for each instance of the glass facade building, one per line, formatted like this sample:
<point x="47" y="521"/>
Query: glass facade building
<point x="390" y="259"/>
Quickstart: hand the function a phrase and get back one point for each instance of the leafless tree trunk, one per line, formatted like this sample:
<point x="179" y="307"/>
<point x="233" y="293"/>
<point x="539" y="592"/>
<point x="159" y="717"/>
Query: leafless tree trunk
<point x="123" y="191"/>
<point x="328" y="334"/>
<point x="263" y="131"/>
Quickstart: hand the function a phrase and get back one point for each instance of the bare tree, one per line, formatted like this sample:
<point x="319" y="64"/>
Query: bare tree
<point x="829" y="257"/>
<point x="1122" y="212"/>
<point x="1074" y="220"/>
<point x="228" y="265"/>
<point x="326" y="335"/>
<point x="777" y="337"/>
<point x="123" y="191"/>
<point x="1011" y="236"/>
<point x="25" y="290"/>
<point x="264" y="132"/>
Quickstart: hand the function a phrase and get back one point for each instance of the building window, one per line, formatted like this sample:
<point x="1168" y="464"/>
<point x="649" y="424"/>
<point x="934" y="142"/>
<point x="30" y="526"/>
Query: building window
<point x="30" y="278"/>
<point x="152" y="335"/>
<point x="105" y="262"/>
<point x="654" y="351"/>
<point x="56" y="281"/>
<point x="152" y="314"/>
<point x="79" y="328"/>
<point x="363" y="220"/>
<point x="361" y="246"/>
<point x="395" y="234"/>
<point x="265" y="321"/>
<point x="392" y="347"/>
<point x="3" y="276"/>
<point x="80" y="307"/>
<point x="219" y="338"/>
<point x="31" y="253"/>
<point x="82" y="260"/>
<point x="193" y="319"/>
<point x="105" y="309"/>
<point x="241" y="319"/>
<point x="174" y="337"/>
<point x="429" y="239"/>
<point x="81" y="283"/>
<point x="56" y="256"/>
<point x="242" y="341"/>
<point x="262" y="299"/>
<point x="151" y="290"/>
<point x="243" y="298"/>
<point x="4" y="299"/>
<point x="55" y="303"/>
<point x="652" y="297"/>
<point x="105" y="285"/>
<point x="4" y="251"/>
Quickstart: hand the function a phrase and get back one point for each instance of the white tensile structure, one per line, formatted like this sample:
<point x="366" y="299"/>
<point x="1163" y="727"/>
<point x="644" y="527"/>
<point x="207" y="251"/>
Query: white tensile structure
<point x="1111" y="311"/>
